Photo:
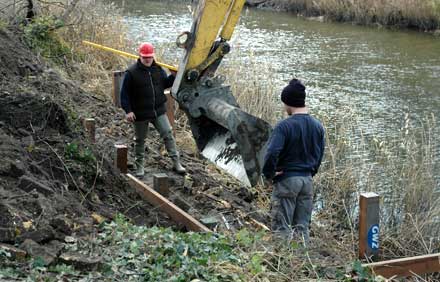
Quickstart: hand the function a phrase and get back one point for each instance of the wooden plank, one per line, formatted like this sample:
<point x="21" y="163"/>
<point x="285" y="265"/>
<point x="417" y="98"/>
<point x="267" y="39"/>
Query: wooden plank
<point x="160" y="184"/>
<point x="406" y="266"/>
<point x="121" y="157"/>
<point x="89" y="124"/>
<point x="368" y="225"/>
<point x="165" y="205"/>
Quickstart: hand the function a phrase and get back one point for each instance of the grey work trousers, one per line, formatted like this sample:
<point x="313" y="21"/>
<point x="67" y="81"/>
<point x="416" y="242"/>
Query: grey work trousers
<point x="292" y="204"/>
<point x="162" y="125"/>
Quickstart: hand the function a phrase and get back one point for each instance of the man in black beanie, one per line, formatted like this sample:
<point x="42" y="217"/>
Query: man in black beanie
<point x="293" y="157"/>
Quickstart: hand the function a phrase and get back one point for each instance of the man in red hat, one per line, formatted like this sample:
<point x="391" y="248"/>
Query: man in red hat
<point x="293" y="157"/>
<point x="144" y="102"/>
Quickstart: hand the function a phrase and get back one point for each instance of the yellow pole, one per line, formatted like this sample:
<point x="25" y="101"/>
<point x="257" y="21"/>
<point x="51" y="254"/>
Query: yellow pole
<point x="234" y="15"/>
<point x="122" y="53"/>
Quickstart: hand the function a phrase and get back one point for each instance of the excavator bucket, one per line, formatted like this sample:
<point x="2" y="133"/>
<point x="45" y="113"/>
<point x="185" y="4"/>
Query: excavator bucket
<point x="231" y="138"/>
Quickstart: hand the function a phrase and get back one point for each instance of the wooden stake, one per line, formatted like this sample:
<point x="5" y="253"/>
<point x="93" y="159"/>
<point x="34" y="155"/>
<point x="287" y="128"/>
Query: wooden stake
<point x="160" y="184"/>
<point x="118" y="76"/>
<point x="406" y="266"/>
<point x="165" y="205"/>
<point x="89" y="124"/>
<point x="121" y="157"/>
<point x="368" y="225"/>
<point x="171" y="107"/>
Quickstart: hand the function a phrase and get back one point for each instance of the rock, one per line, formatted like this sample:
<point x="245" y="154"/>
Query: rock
<point x="23" y="132"/>
<point x="17" y="169"/>
<point x="55" y="247"/>
<point x="6" y="215"/>
<point x="35" y="250"/>
<point x="210" y="222"/>
<point x="254" y="3"/>
<point x="97" y="218"/>
<point x="28" y="183"/>
<point x="16" y="253"/>
<point x="12" y="168"/>
<point x="45" y="233"/>
<point x="81" y="262"/>
<point x="7" y="234"/>
<point x="62" y="224"/>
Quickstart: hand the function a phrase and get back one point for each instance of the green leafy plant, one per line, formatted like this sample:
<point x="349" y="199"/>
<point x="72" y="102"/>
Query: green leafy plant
<point x="63" y="269"/>
<point x="40" y="35"/>
<point x="8" y="273"/>
<point x="3" y="24"/>
<point x="84" y="155"/>
<point x="363" y="273"/>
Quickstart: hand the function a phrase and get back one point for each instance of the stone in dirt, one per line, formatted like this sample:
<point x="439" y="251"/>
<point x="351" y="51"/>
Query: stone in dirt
<point x="43" y="234"/>
<point x="12" y="168"/>
<point x="28" y="183"/>
<point x="7" y="234"/>
<point x="16" y="253"/>
<point x="36" y="250"/>
<point x="81" y="262"/>
<point x="62" y="224"/>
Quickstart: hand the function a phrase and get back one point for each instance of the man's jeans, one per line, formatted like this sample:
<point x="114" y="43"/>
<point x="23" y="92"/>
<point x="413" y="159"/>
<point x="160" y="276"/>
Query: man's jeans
<point x="292" y="204"/>
<point x="162" y="125"/>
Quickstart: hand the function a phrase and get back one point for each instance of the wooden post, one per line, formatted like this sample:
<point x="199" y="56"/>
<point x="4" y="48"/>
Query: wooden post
<point x="176" y="213"/>
<point x="170" y="109"/>
<point x="118" y="76"/>
<point x="121" y="157"/>
<point x="368" y="225"/>
<point x="406" y="266"/>
<point x="160" y="184"/>
<point x="89" y="124"/>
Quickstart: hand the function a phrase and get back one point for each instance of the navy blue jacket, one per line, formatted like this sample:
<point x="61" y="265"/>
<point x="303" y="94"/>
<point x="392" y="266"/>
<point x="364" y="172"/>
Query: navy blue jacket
<point x="296" y="148"/>
<point x="142" y="90"/>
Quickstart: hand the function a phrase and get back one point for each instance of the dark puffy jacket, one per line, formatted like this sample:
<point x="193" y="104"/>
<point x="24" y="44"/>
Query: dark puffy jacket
<point x="142" y="90"/>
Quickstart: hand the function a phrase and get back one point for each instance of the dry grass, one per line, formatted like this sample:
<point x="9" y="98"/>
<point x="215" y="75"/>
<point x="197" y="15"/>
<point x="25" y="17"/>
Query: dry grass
<point x="401" y="169"/>
<point x="255" y="91"/>
<point x="420" y="14"/>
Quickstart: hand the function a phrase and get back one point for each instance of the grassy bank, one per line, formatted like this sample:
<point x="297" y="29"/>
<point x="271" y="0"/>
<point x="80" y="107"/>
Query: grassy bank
<point x="417" y="14"/>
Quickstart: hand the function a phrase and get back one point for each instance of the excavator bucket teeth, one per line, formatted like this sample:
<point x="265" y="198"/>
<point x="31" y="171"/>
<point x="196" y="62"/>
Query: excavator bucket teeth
<point x="226" y="135"/>
<point x="238" y="151"/>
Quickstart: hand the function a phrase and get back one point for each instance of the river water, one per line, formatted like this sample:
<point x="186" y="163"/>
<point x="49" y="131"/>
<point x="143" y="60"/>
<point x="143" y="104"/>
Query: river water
<point x="388" y="80"/>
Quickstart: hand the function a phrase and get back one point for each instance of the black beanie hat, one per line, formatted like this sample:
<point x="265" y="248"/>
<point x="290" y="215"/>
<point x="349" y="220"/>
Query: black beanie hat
<point x="294" y="94"/>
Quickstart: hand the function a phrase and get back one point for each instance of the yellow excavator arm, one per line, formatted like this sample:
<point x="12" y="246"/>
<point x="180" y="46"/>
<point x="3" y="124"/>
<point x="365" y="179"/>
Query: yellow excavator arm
<point x="226" y="135"/>
<point x="211" y="19"/>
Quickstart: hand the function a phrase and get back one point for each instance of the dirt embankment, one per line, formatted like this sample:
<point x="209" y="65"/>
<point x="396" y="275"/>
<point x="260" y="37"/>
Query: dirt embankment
<point x="52" y="179"/>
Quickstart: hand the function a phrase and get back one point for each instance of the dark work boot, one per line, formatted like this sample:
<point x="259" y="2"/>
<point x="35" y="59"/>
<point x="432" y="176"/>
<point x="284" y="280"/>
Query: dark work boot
<point x="177" y="166"/>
